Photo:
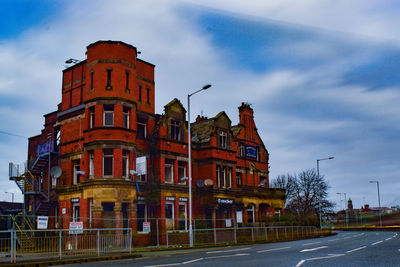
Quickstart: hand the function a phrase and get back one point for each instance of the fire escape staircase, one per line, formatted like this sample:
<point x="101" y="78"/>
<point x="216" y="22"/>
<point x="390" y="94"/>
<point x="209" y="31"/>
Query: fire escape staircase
<point x="29" y="182"/>
<point x="23" y="232"/>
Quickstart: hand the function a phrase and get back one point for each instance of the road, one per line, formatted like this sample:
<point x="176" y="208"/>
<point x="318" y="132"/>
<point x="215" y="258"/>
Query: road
<point x="344" y="249"/>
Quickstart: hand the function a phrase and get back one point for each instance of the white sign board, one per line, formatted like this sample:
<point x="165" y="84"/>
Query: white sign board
<point x="42" y="222"/>
<point x="141" y="165"/>
<point x="75" y="227"/>
<point x="228" y="223"/>
<point x="239" y="217"/>
<point x="146" y="227"/>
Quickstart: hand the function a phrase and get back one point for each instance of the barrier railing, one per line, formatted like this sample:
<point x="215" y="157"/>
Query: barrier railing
<point x="64" y="243"/>
<point x="234" y="235"/>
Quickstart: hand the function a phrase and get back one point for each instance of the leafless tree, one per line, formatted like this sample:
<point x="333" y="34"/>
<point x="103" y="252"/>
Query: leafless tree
<point x="305" y="191"/>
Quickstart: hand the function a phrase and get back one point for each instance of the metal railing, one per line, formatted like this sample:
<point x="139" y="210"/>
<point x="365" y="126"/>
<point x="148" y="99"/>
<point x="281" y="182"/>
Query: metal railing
<point x="60" y="243"/>
<point x="234" y="235"/>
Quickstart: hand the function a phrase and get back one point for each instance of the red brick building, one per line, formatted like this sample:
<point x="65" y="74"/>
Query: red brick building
<point x="120" y="160"/>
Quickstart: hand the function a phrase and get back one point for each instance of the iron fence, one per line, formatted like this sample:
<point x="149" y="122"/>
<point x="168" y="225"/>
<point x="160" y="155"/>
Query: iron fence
<point x="59" y="243"/>
<point x="234" y="235"/>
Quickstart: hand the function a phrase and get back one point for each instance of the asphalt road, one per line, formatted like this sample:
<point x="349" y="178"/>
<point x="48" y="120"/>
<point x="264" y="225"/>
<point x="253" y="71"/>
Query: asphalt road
<point x="343" y="249"/>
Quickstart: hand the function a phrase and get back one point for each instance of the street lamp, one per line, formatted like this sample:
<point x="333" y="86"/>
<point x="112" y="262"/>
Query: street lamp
<point x="345" y="209"/>
<point x="379" y="202"/>
<point x="320" y="210"/>
<point x="205" y="87"/>
<point x="12" y="195"/>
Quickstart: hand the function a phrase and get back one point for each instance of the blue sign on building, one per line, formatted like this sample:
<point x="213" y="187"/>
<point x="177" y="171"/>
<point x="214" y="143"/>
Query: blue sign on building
<point x="251" y="152"/>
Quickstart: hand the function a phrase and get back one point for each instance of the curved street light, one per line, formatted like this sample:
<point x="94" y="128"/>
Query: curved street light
<point x="205" y="87"/>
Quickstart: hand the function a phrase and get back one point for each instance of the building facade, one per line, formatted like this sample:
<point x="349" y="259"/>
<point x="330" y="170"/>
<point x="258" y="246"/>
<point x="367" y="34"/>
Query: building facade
<point x="122" y="163"/>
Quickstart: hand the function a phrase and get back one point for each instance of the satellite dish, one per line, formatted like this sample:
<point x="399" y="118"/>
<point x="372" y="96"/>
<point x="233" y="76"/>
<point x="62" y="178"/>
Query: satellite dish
<point x="208" y="182"/>
<point x="55" y="172"/>
<point x="200" y="183"/>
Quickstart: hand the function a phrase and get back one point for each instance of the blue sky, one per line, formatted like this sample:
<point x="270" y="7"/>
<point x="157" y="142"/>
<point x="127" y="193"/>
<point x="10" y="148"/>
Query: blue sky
<point x="323" y="78"/>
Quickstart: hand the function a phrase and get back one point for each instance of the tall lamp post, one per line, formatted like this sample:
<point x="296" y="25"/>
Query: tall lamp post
<point x="379" y="202"/>
<point x="205" y="87"/>
<point x="345" y="209"/>
<point x="320" y="210"/>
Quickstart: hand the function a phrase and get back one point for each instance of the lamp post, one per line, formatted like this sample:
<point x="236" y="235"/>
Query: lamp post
<point x="379" y="202"/>
<point x="320" y="210"/>
<point x="345" y="209"/>
<point x="12" y="195"/>
<point x="205" y="87"/>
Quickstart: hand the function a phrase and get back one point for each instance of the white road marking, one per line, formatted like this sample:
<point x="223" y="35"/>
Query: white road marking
<point x="313" y="249"/>
<point x="333" y="240"/>
<point x="387" y="239"/>
<point x="376" y="243"/>
<point x="161" y="265"/>
<point x="187" y="262"/>
<point x="347" y="237"/>
<point x="311" y="243"/>
<point x="318" y="258"/>
<point x="199" y="259"/>
<point x="227" y="256"/>
<point x="300" y="263"/>
<point x="224" y="251"/>
<point x="356" y="249"/>
<point x="272" y="249"/>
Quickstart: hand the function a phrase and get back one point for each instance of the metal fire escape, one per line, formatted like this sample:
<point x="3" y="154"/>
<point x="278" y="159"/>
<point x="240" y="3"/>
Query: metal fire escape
<point x="29" y="178"/>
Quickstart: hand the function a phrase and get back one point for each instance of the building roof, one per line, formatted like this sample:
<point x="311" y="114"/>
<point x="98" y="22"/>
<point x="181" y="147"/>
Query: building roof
<point x="10" y="207"/>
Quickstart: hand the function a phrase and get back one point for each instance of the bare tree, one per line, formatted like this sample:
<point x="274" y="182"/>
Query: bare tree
<point x="286" y="182"/>
<point x="305" y="192"/>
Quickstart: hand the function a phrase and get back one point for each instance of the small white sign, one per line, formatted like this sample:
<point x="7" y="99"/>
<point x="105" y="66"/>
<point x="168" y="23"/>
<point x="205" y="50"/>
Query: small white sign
<point x="141" y="165"/>
<point x="228" y="223"/>
<point x="75" y="227"/>
<point x="146" y="227"/>
<point x="64" y="211"/>
<point x="239" y="217"/>
<point x="42" y="222"/>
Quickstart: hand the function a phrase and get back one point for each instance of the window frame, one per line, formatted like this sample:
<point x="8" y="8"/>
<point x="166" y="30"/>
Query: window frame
<point x="182" y="165"/>
<point x="91" y="164"/>
<point x="170" y="165"/>
<point x="108" y="85"/>
<point x="111" y="155"/>
<point x="239" y="178"/>
<point x="125" y="161"/>
<point x="223" y="139"/>
<point x="176" y="130"/>
<point x="126" y="117"/>
<point x="92" y="117"/>
<point x="108" y="109"/>
<point x="76" y="176"/>
<point x="142" y="123"/>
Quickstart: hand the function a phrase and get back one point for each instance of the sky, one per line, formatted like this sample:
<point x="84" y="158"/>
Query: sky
<point x="322" y="76"/>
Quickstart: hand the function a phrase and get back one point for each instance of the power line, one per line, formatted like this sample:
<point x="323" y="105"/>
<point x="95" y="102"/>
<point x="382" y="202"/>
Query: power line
<point x="12" y="134"/>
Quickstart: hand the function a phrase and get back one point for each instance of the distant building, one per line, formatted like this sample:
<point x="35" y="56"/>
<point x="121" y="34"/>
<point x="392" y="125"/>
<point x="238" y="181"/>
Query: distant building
<point x="121" y="161"/>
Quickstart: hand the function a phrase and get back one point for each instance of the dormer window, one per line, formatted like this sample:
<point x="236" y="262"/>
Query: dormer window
<point x="222" y="139"/>
<point x="176" y="130"/>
